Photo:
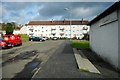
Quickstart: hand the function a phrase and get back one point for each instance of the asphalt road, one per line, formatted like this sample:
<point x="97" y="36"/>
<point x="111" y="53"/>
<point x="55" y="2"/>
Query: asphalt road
<point x="63" y="65"/>
<point x="23" y="61"/>
<point x="49" y="59"/>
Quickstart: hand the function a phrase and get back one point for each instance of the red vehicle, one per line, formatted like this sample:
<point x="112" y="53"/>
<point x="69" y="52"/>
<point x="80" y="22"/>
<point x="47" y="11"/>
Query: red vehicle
<point x="5" y="44"/>
<point x="13" y="39"/>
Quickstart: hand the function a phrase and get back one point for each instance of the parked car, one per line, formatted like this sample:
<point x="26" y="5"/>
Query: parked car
<point x="4" y="44"/>
<point x="54" y="38"/>
<point x="45" y="38"/>
<point x="13" y="39"/>
<point x="33" y="38"/>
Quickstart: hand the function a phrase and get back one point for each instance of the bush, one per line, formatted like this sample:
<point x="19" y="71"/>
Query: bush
<point x="25" y="37"/>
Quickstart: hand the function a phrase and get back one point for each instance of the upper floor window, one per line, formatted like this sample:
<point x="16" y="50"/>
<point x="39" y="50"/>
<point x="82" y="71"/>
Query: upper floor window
<point x="31" y="30"/>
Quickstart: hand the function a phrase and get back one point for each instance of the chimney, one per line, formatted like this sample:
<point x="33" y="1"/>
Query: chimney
<point x="82" y="21"/>
<point x="64" y="21"/>
<point x="52" y="21"/>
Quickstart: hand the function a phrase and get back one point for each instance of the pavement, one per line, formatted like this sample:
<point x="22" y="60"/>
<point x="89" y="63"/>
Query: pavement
<point x="83" y="62"/>
<point x="63" y="65"/>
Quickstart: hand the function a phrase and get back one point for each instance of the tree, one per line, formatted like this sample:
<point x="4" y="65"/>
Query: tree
<point x="3" y="26"/>
<point x="9" y="28"/>
<point x="14" y="25"/>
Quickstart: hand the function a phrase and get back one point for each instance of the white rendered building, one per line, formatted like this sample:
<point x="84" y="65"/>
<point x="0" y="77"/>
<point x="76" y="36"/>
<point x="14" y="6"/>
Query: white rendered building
<point x="60" y="29"/>
<point x="104" y="35"/>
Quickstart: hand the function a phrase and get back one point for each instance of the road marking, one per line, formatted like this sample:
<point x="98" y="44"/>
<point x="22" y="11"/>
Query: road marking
<point x="36" y="72"/>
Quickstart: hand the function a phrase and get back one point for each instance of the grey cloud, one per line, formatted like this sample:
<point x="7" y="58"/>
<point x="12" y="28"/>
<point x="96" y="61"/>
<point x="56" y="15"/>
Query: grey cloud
<point x="52" y="10"/>
<point x="59" y="0"/>
<point x="57" y="9"/>
<point x="19" y="5"/>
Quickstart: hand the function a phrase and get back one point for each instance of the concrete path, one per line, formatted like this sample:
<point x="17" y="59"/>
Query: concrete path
<point x="63" y="65"/>
<point x="83" y="63"/>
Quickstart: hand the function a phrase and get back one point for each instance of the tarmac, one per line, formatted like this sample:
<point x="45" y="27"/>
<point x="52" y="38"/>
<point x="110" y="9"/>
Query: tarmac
<point x="63" y="64"/>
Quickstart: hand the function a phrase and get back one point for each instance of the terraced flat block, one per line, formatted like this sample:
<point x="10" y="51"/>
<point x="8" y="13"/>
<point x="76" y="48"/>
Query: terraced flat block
<point x="83" y="63"/>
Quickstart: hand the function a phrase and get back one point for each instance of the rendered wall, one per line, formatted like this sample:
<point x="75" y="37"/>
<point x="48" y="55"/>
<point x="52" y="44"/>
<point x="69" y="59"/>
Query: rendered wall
<point x="104" y="38"/>
<point x="119" y="37"/>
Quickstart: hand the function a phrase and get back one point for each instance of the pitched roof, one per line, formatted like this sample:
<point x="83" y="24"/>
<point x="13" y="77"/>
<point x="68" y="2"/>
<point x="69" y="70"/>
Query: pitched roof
<point x="64" y="22"/>
<point x="114" y="7"/>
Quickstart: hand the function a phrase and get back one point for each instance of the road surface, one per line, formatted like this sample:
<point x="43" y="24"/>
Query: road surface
<point x="23" y="61"/>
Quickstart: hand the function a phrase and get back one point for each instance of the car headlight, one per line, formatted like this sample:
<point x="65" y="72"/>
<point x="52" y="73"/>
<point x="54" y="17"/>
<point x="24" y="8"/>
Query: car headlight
<point x="3" y="42"/>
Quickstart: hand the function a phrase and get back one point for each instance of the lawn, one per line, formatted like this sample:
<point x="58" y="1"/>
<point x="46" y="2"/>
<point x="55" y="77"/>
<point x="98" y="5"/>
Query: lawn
<point x="24" y="37"/>
<point x="80" y="44"/>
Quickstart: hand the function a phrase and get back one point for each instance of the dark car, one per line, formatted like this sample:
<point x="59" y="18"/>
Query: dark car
<point x="4" y="44"/>
<point x="33" y="38"/>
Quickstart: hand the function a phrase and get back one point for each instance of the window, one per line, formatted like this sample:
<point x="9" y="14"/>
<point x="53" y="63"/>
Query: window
<point x="35" y="30"/>
<point x="80" y="34"/>
<point x="46" y="30"/>
<point x="31" y="30"/>
<point x="42" y="27"/>
<point x="66" y="34"/>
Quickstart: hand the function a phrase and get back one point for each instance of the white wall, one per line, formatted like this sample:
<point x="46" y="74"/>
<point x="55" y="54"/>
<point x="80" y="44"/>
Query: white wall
<point x="16" y="32"/>
<point x="119" y="37"/>
<point x="23" y="30"/>
<point x="104" y="40"/>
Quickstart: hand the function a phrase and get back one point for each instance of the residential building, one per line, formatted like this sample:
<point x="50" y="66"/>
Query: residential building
<point x="104" y="38"/>
<point x="17" y="31"/>
<point x="60" y="29"/>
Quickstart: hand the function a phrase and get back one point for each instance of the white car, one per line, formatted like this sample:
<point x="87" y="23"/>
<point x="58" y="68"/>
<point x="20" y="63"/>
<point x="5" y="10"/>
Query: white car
<point x="54" y="38"/>
<point x="44" y="38"/>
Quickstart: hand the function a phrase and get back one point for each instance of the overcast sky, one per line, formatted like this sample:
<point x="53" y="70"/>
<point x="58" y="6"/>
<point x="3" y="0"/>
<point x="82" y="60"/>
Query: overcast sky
<point x="23" y="12"/>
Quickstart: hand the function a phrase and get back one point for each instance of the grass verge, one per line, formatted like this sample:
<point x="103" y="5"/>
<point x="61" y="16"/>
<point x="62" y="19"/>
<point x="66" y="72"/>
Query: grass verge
<point x="24" y="37"/>
<point x="80" y="44"/>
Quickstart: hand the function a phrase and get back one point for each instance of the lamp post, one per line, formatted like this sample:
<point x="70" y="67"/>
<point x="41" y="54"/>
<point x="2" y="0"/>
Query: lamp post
<point x="67" y="9"/>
